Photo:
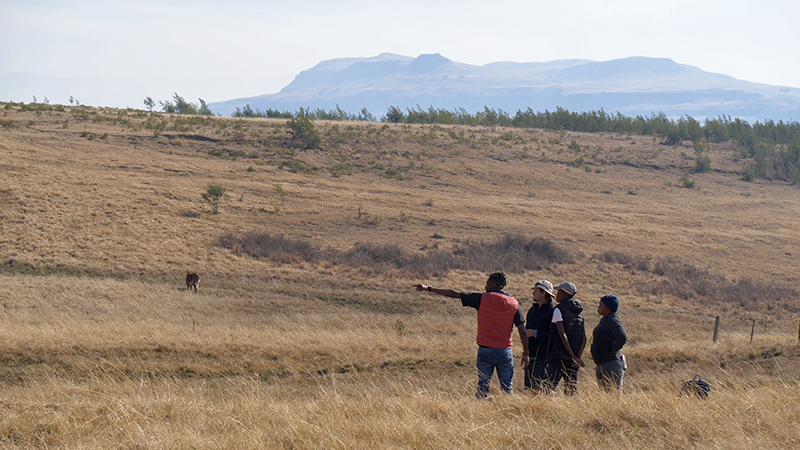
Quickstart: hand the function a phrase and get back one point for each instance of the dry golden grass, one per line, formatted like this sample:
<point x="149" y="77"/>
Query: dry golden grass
<point x="106" y="363"/>
<point x="101" y="345"/>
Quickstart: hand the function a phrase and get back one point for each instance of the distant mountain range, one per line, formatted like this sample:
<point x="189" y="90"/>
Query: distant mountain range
<point x="632" y="86"/>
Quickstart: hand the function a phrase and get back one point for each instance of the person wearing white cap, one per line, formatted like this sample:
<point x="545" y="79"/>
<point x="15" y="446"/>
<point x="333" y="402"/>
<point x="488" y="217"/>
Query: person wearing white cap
<point x="537" y="324"/>
<point x="567" y="340"/>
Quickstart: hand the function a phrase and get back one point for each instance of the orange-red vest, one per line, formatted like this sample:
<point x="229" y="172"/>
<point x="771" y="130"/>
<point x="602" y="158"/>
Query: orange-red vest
<point x="496" y="320"/>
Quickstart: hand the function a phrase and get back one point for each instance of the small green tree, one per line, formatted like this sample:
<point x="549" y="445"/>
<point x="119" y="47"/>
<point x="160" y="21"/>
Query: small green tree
<point x="702" y="163"/>
<point x="672" y="135"/>
<point x="182" y="106"/>
<point x="488" y="117"/>
<point x="302" y="130"/>
<point x="279" y="190"/>
<point x="167" y="106"/>
<point x="685" y="181"/>
<point x="394" y="115"/>
<point x="715" y="131"/>
<point x="148" y="101"/>
<point x="693" y="129"/>
<point x="213" y="195"/>
<point x="203" y="109"/>
<point x="365" y="116"/>
<point x="750" y="171"/>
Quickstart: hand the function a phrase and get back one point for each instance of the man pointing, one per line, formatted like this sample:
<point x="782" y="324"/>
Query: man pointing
<point x="498" y="313"/>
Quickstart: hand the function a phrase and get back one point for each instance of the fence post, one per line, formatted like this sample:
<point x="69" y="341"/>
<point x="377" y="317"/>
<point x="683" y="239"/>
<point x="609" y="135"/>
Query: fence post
<point x="753" y="331"/>
<point x="716" y="330"/>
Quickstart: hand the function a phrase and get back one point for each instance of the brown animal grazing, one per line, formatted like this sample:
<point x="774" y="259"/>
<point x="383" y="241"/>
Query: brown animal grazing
<point x="192" y="281"/>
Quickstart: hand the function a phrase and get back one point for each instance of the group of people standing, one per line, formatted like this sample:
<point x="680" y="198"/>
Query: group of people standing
<point x="553" y="336"/>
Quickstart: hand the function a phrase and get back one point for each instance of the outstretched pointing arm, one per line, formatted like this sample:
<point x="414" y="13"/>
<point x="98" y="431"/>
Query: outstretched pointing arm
<point x="445" y="292"/>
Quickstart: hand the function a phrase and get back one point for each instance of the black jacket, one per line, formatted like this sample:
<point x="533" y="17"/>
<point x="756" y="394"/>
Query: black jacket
<point x="572" y="313"/>
<point x="539" y="319"/>
<point x="608" y="338"/>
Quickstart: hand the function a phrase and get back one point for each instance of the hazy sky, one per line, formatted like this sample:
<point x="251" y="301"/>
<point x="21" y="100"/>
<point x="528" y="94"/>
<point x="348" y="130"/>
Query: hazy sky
<point x="220" y="50"/>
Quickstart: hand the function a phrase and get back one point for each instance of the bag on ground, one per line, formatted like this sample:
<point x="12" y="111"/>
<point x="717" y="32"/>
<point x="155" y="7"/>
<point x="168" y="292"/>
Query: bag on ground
<point x="696" y="387"/>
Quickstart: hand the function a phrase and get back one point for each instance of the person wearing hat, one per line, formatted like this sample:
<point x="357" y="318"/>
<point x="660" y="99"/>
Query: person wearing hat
<point x="498" y="313"/>
<point x="608" y="338"/>
<point x="537" y="324"/>
<point x="567" y="340"/>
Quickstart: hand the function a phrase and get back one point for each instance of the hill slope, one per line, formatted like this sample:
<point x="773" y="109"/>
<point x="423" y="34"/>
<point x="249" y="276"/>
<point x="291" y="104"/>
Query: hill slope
<point x="119" y="192"/>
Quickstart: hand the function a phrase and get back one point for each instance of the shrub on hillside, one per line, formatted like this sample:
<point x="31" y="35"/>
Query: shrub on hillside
<point x="702" y="162"/>
<point x="510" y="253"/>
<point x="279" y="249"/>
<point x="687" y="182"/>
<point x="633" y="262"/>
<point x="302" y="130"/>
<point x="214" y="194"/>
<point x="377" y="255"/>
<point x="688" y="282"/>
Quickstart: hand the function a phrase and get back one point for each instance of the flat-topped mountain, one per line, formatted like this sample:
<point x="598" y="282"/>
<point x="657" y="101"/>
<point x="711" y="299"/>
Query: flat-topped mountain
<point x="633" y="86"/>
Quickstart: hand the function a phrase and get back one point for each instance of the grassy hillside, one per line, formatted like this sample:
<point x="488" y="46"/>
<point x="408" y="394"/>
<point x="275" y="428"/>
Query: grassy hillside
<point x="306" y="333"/>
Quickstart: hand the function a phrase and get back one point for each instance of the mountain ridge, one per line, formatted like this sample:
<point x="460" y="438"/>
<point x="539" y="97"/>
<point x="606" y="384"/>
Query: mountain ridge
<point x="632" y="86"/>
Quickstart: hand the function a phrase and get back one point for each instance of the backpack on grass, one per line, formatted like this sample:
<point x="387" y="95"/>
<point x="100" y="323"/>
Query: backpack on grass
<point x="696" y="387"/>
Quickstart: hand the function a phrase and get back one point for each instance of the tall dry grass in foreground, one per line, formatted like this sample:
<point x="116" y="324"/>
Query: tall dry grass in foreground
<point x="412" y="410"/>
<point x="90" y="363"/>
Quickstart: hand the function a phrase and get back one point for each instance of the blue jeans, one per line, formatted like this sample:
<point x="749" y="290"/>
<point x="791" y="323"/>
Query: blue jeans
<point x="490" y="359"/>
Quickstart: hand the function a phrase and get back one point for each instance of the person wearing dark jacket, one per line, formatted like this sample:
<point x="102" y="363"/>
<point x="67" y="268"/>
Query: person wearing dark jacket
<point x="537" y="325"/>
<point x="608" y="338"/>
<point x="567" y="340"/>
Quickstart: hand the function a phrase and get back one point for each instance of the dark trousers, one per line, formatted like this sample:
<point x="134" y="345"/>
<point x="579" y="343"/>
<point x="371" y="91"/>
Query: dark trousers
<point x="535" y="375"/>
<point x="558" y="369"/>
<point x="609" y="375"/>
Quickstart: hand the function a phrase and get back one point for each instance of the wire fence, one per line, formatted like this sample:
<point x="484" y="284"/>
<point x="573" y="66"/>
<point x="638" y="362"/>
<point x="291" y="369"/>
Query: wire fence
<point x="753" y="328"/>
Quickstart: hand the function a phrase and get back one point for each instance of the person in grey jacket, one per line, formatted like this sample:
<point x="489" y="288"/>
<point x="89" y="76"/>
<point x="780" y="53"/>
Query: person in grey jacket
<point x="609" y="337"/>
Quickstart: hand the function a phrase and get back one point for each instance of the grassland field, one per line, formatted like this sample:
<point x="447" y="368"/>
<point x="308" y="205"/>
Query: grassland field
<point x="319" y="340"/>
